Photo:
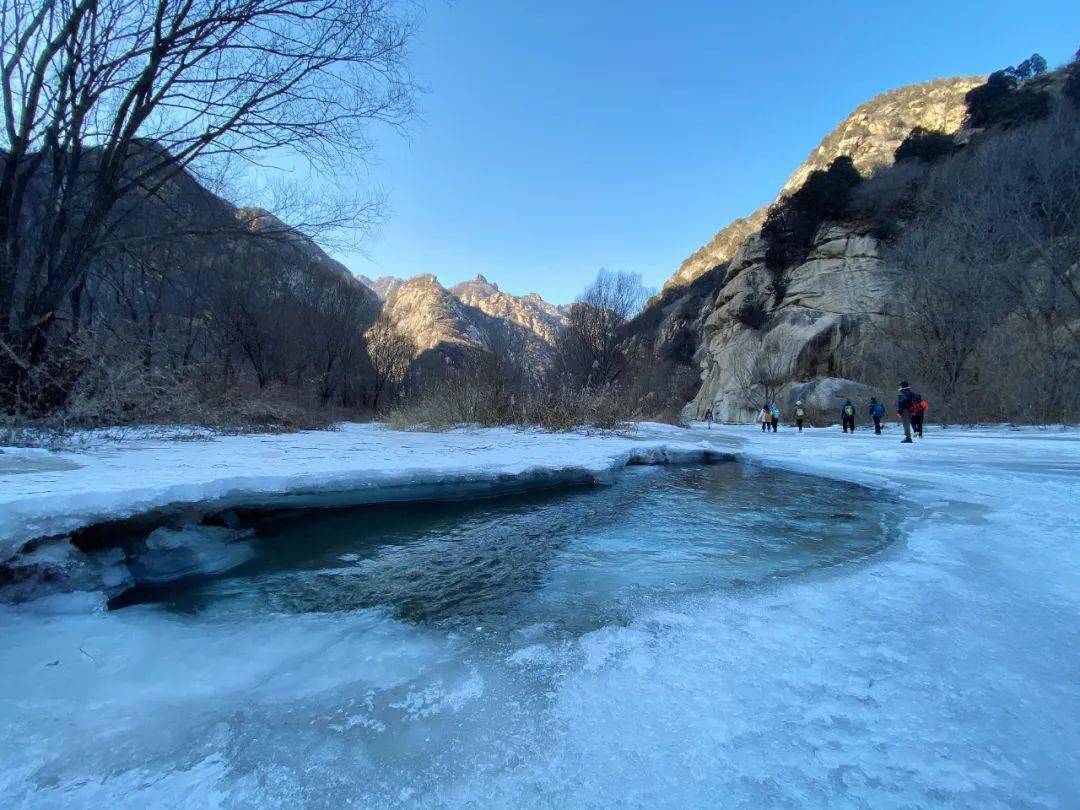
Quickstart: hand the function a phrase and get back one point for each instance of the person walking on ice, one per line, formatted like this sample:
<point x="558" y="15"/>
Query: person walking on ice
<point x="847" y="416"/>
<point x="918" y="414"/>
<point x="906" y="401"/>
<point x="763" y="417"/>
<point x="800" y="415"/>
<point x="877" y="411"/>
<point x="708" y="418"/>
<point x="774" y="416"/>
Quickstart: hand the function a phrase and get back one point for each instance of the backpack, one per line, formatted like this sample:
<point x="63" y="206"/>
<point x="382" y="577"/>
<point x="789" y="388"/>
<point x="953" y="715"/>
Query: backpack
<point x="923" y="405"/>
<point x="799" y="413"/>
<point x="849" y="411"/>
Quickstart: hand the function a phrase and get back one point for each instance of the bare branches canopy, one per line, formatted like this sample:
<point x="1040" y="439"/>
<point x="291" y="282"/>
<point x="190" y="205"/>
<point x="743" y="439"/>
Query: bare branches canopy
<point x="104" y="102"/>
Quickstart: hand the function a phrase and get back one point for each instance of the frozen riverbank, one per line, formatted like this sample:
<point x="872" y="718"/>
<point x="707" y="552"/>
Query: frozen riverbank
<point x="943" y="672"/>
<point x="56" y="493"/>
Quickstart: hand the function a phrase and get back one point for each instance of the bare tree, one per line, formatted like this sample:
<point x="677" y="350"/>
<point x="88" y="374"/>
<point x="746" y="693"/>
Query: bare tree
<point x="760" y="379"/>
<point x="1035" y="201"/>
<point x="391" y="353"/>
<point x="589" y="349"/>
<point x="990" y="280"/>
<point x="105" y="102"/>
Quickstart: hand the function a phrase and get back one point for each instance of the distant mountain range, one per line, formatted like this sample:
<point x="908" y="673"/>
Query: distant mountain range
<point x="475" y="314"/>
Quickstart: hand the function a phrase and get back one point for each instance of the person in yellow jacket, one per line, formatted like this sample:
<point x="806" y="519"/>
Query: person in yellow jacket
<point x="764" y="417"/>
<point x="847" y="416"/>
<point x="800" y="415"/>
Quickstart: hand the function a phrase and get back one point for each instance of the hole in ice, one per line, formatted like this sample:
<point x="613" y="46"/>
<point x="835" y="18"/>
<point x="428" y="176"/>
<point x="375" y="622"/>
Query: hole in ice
<point x="573" y="559"/>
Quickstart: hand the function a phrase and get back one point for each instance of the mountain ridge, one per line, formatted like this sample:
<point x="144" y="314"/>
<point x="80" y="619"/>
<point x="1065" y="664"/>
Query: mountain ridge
<point x="869" y="135"/>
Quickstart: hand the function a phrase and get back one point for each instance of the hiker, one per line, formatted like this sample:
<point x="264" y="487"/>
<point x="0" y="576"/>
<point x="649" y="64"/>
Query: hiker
<point x="918" y="413"/>
<point x="877" y="411"/>
<point x="800" y="415"/>
<point x="906" y="403"/>
<point x="763" y="417"/>
<point x="774" y="416"/>
<point x="847" y="416"/>
<point x="708" y="418"/>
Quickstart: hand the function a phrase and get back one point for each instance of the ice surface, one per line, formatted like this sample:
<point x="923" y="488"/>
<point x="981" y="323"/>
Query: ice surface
<point x="945" y="673"/>
<point x="114" y="479"/>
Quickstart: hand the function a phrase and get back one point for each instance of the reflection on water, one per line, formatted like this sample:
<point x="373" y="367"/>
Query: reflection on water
<point x="570" y="560"/>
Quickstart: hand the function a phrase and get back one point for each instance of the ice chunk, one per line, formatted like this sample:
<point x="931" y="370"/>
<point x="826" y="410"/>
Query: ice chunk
<point x="56" y="566"/>
<point x="175" y="553"/>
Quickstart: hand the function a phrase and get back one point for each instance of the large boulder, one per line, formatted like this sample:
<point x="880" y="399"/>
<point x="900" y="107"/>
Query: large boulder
<point x="824" y="397"/>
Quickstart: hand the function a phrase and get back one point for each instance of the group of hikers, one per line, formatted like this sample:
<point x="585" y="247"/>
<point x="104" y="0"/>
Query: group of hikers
<point x="910" y="408"/>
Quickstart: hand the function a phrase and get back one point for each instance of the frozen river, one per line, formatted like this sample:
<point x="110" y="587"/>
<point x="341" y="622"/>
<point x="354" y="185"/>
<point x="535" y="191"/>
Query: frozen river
<point x="730" y="634"/>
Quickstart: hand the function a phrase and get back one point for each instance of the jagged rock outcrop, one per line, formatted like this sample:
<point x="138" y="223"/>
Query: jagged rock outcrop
<point x="447" y="324"/>
<point x="383" y="286"/>
<point x="718" y="308"/>
<point x="430" y="315"/>
<point x="529" y="311"/>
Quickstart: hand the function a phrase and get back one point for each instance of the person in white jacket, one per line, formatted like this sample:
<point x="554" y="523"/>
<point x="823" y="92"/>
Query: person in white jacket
<point x="764" y="417"/>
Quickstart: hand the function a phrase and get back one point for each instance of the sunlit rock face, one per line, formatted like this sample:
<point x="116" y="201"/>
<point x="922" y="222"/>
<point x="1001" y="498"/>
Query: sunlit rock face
<point x="874" y="130"/>
<point x="869" y="136"/>
<point x="475" y="315"/>
<point x="530" y="311"/>
<point x="818" y="327"/>
<point x="429" y="315"/>
<point x="717" y="250"/>
<point x="383" y="286"/>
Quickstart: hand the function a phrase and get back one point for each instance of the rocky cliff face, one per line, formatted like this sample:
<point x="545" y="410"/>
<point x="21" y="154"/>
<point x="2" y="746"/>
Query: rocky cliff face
<point x="718" y="307"/>
<point x="801" y="347"/>
<point x="717" y="250"/>
<point x="869" y="136"/>
<point x="473" y="315"/>
<point x="430" y="315"/>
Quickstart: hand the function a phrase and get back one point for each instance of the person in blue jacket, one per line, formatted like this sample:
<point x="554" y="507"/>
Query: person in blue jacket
<point x="877" y="411"/>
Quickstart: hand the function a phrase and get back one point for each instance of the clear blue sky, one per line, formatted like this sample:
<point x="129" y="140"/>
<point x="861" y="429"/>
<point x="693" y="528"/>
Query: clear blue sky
<point x="559" y="137"/>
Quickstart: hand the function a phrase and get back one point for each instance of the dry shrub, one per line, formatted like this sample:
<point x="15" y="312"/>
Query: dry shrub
<point x="454" y="402"/>
<point x="490" y="389"/>
<point x="112" y="387"/>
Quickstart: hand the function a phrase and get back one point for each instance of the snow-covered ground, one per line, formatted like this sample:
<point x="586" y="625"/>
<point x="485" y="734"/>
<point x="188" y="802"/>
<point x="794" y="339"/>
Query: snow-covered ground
<point x="946" y="672"/>
<point x="43" y="493"/>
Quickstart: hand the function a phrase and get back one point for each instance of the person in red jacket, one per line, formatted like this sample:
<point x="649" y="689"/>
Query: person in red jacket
<point x="918" y="413"/>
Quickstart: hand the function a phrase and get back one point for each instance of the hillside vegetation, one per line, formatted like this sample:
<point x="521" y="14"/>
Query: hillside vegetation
<point x="954" y="265"/>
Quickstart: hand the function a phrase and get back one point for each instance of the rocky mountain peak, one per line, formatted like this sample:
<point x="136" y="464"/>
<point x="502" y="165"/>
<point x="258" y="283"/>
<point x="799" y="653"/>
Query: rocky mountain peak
<point x="471" y="315"/>
<point x="873" y="130"/>
<point x="869" y="135"/>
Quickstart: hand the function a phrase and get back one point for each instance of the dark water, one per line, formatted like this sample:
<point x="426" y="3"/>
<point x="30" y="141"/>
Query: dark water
<point x="567" y="560"/>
